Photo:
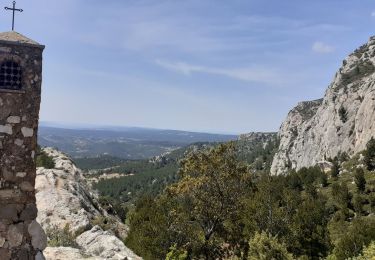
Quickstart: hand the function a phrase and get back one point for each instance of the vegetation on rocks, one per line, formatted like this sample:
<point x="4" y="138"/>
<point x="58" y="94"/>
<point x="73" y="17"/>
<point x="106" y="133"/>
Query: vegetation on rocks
<point x="43" y="160"/>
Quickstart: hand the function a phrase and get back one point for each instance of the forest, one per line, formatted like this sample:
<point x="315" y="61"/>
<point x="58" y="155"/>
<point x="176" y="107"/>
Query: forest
<point x="220" y="208"/>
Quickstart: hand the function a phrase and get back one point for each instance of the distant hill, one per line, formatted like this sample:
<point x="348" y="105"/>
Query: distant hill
<point x="124" y="142"/>
<point x="136" y="178"/>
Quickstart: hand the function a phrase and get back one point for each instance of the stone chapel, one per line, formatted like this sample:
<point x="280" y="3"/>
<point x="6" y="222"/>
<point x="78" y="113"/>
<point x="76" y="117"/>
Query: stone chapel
<point x="21" y="237"/>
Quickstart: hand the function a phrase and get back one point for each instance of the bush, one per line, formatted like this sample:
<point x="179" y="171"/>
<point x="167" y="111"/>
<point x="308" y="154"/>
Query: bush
<point x="176" y="254"/>
<point x="61" y="237"/>
<point x="368" y="252"/>
<point x="266" y="247"/>
<point x="359" y="235"/>
<point x="43" y="160"/>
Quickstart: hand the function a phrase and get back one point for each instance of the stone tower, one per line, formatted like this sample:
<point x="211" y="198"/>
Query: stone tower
<point x="21" y="237"/>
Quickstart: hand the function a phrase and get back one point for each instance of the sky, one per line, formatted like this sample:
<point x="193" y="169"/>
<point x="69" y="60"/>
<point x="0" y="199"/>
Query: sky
<point x="225" y="66"/>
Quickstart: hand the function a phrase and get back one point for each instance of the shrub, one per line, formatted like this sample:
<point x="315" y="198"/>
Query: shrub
<point x="266" y="247"/>
<point x="43" y="160"/>
<point x="176" y="254"/>
<point x="61" y="237"/>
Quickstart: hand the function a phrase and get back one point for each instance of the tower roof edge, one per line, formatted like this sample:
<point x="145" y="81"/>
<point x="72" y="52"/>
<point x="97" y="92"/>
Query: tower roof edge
<point x="18" y="39"/>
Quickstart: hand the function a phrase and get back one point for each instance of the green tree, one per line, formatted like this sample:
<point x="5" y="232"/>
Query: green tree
<point x="264" y="246"/>
<point x="210" y="191"/>
<point x="335" y="171"/>
<point x="369" y="155"/>
<point x="263" y="209"/>
<point x="358" y="203"/>
<point x="309" y="228"/>
<point x="359" y="179"/>
<point x="149" y="235"/>
<point x="340" y="194"/>
<point x="360" y="234"/>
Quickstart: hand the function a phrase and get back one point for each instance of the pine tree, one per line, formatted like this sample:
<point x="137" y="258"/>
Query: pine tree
<point x="360" y="180"/>
<point x="370" y="155"/>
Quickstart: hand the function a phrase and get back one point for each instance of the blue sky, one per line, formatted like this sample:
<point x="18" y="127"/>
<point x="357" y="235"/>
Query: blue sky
<point x="229" y="66"/>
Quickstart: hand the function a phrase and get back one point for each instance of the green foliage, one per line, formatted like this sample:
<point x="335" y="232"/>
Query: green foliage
<point x="368" y="253"/>
<point x="335" y="171"/>
<point x="43" y="160"/>
<point x="358" y="203"/>
<point x="176" y="254"/>
<point x="61" y="237"/>
<point x="264" y="246"/>
<point x="100" y="162"/>
<point x="216" y="209"/>
<point x="150" y="235"/>
<point x="369" y="154"/>
<point x="359" y="234"/>
<point x="360" y="181"/>
<point x="341" y="195"/>
<point x="197" y="214"/>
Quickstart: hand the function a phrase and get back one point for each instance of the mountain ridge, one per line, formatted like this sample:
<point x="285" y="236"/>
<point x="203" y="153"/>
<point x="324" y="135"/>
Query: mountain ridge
<point x="342" y="122"/>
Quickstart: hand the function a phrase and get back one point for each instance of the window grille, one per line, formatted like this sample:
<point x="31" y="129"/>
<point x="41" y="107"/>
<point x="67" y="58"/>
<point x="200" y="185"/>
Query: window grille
<point x="10" y="75"/>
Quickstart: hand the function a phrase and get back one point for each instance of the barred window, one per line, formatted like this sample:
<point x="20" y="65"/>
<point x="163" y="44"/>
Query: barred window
<point x="10" y="75"/>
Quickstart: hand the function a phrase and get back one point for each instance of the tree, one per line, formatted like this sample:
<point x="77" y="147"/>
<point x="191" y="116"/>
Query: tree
<point x="309" y="229"/>
<point x="335" y="171"/>
<point x="263" y="211"/>
<point x="340" y="194"/>
<point x="264" y="246"/>
<point x="369" y="155"/>
<point x="210" y="192"/>
<point x="149" y="235"/>
<point x="359" y="179"/>
<point x="360" y="233"/>
<point x="358" y="203"/>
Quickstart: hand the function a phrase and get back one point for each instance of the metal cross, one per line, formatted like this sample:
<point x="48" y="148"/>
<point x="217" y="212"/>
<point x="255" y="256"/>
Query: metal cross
<point x="14" y="10"/>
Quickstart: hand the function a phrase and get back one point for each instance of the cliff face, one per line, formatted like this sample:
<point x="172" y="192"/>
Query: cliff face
<point x="343" y="121"/>
<point x="64" y="198"/>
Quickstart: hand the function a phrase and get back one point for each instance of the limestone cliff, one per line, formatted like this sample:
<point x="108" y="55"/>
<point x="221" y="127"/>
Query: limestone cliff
<point x="63" y="198"/>
<point x="343" y="121"/>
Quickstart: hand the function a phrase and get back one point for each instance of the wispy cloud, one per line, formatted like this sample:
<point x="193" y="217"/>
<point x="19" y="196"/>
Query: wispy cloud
<point x="250" y="74"/>
<point x="373" y="13"/>
<point x="321" y="47"/>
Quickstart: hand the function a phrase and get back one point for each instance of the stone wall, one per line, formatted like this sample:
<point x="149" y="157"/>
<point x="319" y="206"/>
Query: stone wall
<point x="21" y="237"/>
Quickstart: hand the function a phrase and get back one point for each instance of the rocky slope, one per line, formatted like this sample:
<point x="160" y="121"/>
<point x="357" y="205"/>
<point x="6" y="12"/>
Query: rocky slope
<point x="64" y="200"/>
<point x="343" y="121"/>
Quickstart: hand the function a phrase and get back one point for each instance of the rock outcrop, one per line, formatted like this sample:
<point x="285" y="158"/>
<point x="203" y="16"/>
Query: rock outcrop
<point x="104" y="244"/>
<point x="343" y="121"/>
<point x="65" y="200"/>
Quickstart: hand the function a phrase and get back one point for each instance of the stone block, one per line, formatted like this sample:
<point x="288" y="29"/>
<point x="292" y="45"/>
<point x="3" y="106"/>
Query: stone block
<point x="15" y="235"/>
<point x="14" y="120"/>
<point x="38" y="236"/>
<point x="8" y="212"/>
<point x="4" y="254"/>
<point x="29" y="213"/>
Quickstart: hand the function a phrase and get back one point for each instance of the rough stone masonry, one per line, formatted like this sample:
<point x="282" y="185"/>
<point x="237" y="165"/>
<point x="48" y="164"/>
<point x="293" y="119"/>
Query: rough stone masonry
<point x="21" y="237"/>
